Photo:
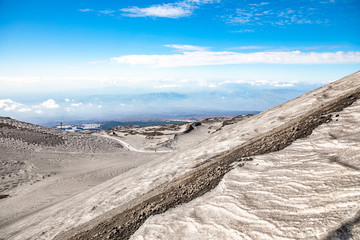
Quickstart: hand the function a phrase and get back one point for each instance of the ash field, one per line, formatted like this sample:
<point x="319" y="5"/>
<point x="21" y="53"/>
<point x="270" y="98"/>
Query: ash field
<point x="291" y="172"/>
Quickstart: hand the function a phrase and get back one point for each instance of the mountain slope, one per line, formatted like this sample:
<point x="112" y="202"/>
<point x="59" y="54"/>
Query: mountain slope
<point x="125" y="220"/>
<point x="123" y="192"/>
<point x="41" y="166"/>
<point x="304" y="191"/>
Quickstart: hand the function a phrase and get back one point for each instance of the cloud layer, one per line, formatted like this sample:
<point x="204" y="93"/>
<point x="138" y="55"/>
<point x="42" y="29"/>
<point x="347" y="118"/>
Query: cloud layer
<point x="207" y="58"/>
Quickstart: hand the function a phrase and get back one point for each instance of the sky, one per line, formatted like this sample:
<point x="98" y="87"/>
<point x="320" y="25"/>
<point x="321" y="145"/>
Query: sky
<point x="69" y="60"/>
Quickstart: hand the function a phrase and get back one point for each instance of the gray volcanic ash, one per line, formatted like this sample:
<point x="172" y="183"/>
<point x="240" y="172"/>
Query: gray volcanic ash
<point x="288" y="173"/>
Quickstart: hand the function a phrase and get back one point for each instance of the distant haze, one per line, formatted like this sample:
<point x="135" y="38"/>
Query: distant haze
<point x="225" y="99"/>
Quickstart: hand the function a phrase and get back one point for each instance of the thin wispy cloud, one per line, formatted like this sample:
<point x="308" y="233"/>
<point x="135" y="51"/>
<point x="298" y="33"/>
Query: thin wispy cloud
<point x="86" y="10"/>
<point x="243" y="31"/>
<point x="258" y="4"/>
<point x="205" y="83"/>
<point x="307" y="48"/>
<point x="248" y="47"/>
<point x="259" y="83"/>
<point x="282" y="49"/>
<point x="76" y="104"/>
<point x="97" y="62"/>
<point x="167" y="86"/>
<point x="283" y="85"/>
<point x="108" y="11"/>
<point x="187" y="47"/>
<point x="168" y="10"/>
<point x="326" y="2"/>
<point x="266" y="13"/>
<point x="24" y="109"/>
<point x="208" y="58"/>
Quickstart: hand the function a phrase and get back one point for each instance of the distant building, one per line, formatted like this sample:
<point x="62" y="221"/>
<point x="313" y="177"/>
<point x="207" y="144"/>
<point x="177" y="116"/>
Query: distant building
<point x="91" y="126"/>
<point x="64" y="126"/>
<point x="80" y="127"/>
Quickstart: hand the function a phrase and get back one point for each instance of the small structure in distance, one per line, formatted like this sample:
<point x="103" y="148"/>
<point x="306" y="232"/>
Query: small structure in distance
<point x="80" y="127"/>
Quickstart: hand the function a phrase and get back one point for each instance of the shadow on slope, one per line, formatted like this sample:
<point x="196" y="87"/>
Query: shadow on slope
<point x="345" y="232"/>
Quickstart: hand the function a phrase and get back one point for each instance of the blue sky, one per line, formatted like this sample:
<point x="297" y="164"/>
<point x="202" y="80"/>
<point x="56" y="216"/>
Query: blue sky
<point x="107" y="59"/>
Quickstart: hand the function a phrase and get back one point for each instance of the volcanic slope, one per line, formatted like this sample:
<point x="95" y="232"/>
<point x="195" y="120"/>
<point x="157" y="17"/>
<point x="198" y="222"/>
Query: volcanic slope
<point x="119" y="206"/>
<point x="42" y="166"/>
<point x="304" y="191"/>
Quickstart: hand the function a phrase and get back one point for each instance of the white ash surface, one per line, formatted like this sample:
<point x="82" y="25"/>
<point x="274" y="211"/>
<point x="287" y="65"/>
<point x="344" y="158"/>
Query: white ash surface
<point x="40" y="166"/>
<point x="302" y="192"/>
<point x="172" y="136"/>
<point x="73" y="211"/>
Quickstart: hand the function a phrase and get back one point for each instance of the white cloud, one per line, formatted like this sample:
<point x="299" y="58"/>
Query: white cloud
<point x="166" y="10"/>
<point x="124" y="81"/>
<point x="169" y="10"/>
<point x="5" y="102"/>
<point x="11" y="105"/>
<point x="97" y="62"/>
<point x="242" y="17"/>
<point x="85" y="10"/>
<point x="208" y="58"/>
<point x="24" y="109"/>
<point x="76" y="104"/>
<point x="168" y="86"/>
<point x="234" y="81"/>
<point x="109" y="11"/>
<point x="243" y="31"/>
<point x="283" y="85"/>
<point x="249" y="47"/>
<point x="204" y="83"/>
<point x="326" y="2"/>
<point x="323" y="47"/>
<point x="259" y="83"/>
<point x="187" y="47"/>
<point x="178" y="9"/>
<point x="266" y="13"/>
<point x="50" y="104"/>
<point x="258" y="4"/>
<point x="67" y="100"/>
<point x="212" y="85"/>
<point x="8" y="105"/>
